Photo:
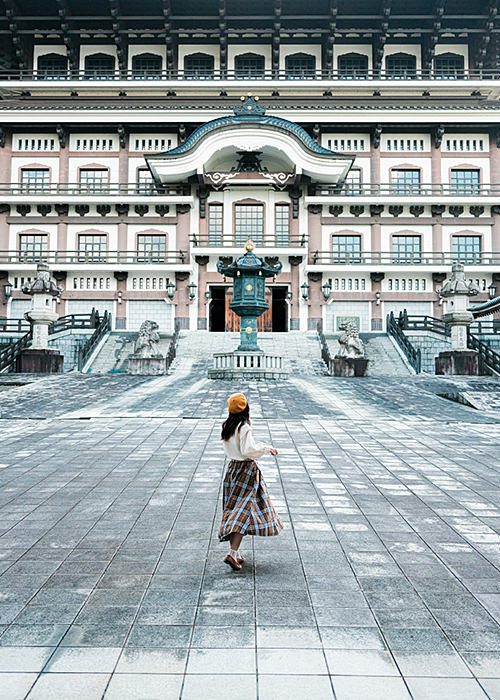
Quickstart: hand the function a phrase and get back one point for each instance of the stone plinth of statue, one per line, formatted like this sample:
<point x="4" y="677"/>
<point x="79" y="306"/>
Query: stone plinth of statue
<point x="456" y="291"/>
<point x="147" y="359"/>
<point x="38" y="358"/>
<point x="458" y="362"/>
<point x="350" y="360"/>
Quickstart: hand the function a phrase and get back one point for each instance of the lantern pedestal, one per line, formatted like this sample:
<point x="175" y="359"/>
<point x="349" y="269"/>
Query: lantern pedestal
<point x="247" y="365"/>
<point x="462" y="362"/>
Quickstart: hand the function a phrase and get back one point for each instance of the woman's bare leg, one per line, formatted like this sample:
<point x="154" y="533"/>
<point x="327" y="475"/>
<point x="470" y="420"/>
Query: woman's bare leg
<point x="235" y="540"/>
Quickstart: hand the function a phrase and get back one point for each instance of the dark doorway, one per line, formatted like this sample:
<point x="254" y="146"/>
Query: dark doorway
<point x="217" y="313"/>
<point x="280" y="309"/>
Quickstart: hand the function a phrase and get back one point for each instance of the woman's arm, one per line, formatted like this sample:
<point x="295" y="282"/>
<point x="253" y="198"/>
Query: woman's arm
<point x="249" y="447"/>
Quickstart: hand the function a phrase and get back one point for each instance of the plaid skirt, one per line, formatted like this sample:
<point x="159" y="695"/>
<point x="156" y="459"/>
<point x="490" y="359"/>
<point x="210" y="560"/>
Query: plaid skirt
<point x="246" y="503"/>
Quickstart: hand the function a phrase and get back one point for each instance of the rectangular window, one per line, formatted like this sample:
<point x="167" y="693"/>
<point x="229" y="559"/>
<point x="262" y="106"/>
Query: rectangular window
<point x="93" y="181"/>
<point x="215" y="224"/>
<point x="352" y="184"/>
<point x="465" y="181"/>
<point x="406" y="249"/>
<point x="33" y="181"/>
<point x="406" y="181"/>
<point x="346" y="249"/>
<point x="33" y="247"/>
<point x="93" y="247"/>
<point x="248" y="223"/>
<point x="151" y="248"/>
<point x="466" y="249"/>
<point x="282" y="224"/>
<point x="145" y="182"/>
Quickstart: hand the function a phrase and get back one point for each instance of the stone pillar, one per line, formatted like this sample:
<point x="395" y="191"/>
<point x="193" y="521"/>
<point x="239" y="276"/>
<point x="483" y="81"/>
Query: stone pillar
<point x="182" y="299"/>
<point x="202" y="261"/>
<point x="4" y="276"/>
<point x="495" y="229"/>
<point x="4" y="226"/>
<point x="376" y="310"/>
<point x="64" y="161"/>
<point x="314" y="306"/>
<point x="435" y="165"/>
<point x="5" y="157"/>
<point x="123" y="176"/>
<point x="295" y="261"/>
<point x="437" y="281"/>
<point x="121" y="302"/>
<point x="183" y="229"/>
<point x="375" y="168"/>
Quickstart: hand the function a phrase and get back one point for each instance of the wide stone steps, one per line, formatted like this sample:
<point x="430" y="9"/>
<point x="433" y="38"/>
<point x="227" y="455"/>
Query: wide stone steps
<point x="385" y="359"/>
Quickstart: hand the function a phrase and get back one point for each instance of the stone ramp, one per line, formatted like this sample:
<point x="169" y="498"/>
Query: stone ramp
<point x="385" y="360"/>
<point x="300" y="350"/>
<point x="114" y="353"/>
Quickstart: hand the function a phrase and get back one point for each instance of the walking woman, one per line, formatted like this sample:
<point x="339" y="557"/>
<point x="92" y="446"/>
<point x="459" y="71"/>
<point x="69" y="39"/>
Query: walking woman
<point x="247" y="507"/>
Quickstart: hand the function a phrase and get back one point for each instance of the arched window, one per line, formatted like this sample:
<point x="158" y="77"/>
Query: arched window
<point x="300" y="65"/>
<point x="401" y="65"/>
<point x="449" y="66"/>
<point x="198" y="66"/>
<point x="146" y="65"/>
<point x="353" y="65"/>
<point x="99" y="66"/>
<point x="249" y="65"/>
<point x="52" y="65"/>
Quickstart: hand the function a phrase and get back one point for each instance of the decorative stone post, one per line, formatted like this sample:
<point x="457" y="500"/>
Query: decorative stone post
<point x="38" y="358"/>
<point x="458" y="360"/>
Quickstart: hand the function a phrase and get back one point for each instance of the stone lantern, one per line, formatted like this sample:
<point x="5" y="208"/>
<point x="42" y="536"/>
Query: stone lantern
<point x="38" y="358"/>
<point x="458" y="360"/>
<point x="249" y="288"/>
<point x="248" y="361"/>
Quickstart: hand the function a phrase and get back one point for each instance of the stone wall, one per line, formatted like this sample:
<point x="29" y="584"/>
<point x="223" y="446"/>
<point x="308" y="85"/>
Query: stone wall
<point x="68" y="343"/>
<point x="430" y="345"/>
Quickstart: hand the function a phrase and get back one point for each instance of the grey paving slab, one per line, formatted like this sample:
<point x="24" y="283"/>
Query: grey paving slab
<point x="385" y="580"/>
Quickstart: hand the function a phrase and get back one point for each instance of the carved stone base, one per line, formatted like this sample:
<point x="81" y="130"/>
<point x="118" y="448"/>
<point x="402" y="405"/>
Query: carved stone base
<point x="465" y="362"/>
<point x="147" y="366"/>
<point x="40" y="362"/>
<point x="247" y="365"/>
<point x="350" y="366"/>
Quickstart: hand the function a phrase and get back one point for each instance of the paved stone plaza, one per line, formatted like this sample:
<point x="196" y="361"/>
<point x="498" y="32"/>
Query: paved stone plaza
<point x="385" y="583"/>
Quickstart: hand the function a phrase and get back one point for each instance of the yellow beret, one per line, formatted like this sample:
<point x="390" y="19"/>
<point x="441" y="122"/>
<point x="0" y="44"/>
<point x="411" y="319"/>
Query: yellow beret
<point x="236" y="403"/>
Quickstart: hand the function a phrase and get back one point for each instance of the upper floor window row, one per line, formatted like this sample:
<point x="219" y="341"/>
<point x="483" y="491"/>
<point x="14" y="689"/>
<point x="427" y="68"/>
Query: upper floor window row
<point x="251" y="64"/>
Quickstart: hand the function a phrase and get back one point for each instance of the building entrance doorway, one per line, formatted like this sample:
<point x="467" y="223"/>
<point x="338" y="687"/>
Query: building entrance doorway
<point x="221" y="318"/>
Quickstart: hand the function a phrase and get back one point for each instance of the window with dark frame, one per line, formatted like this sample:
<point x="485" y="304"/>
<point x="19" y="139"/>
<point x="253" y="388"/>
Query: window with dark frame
<point x="449" y="66"/>
<point x="99" y="66"/>
<point x="249" y="65"/>
<point x="406" y="249"/>
<point x="405" y="181"/>
<point x="33" y="247"/>
<point x="352" y="183"/>
<point x="352" y="65"/>
<point x="466" y="249"/>
<point x="92" y="246"/>
<point x="95" y="181"/>
<point x="215" y="224"/>
<point x="282" y="224"/>
<point x="35" y="180"/>
<point x="248" y="223"/>
<point x="346" y="249"/>
<point x="401" y="65"/>
<point x="465" y="181"/>
<point x="146" y="65"/>
<point x="52" y="65"/>
<point x="151" y="247"/>
<point x="300" y="65"/>
<point x="145" y="182"/>
<point x="198" y="66"/>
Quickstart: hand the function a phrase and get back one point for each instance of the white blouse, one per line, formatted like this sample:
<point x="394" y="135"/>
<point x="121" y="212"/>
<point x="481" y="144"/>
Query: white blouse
<point x="241" y="445"/>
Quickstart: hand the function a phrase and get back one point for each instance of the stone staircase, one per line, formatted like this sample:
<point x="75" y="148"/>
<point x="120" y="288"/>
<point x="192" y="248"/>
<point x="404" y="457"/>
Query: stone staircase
<point x="300" y="350"/>
<point x="113" y="355"/>
<point x="385" y="359"/>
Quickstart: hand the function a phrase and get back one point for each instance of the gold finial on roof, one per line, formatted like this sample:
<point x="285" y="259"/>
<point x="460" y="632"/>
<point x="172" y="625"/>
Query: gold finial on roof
<point x="249" y="245"/>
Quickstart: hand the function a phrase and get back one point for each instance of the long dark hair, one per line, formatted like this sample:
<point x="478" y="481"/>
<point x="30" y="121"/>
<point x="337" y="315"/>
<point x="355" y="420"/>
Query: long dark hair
<point x="233" y="422"/>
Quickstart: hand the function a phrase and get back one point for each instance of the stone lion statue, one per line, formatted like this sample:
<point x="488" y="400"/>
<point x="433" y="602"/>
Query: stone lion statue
<point x="350" y="343"/>
<point x="146" y="343"/>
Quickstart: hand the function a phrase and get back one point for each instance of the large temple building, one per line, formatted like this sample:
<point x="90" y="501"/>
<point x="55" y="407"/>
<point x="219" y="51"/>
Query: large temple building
<point x="357" y="142"/>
